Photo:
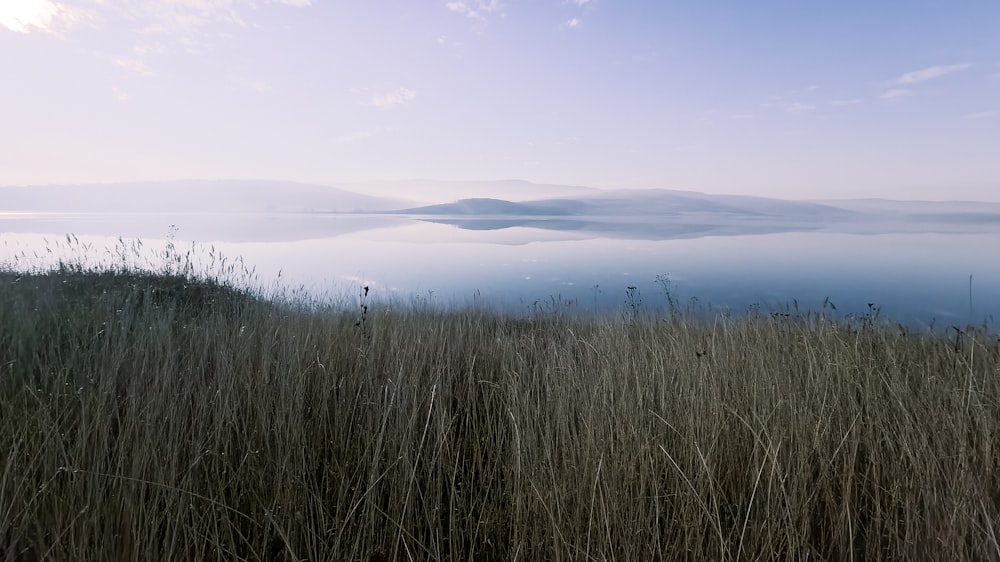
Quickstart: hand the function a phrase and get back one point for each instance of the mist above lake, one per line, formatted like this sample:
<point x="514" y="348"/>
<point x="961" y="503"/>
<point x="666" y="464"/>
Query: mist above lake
<point x="568" y="247"/>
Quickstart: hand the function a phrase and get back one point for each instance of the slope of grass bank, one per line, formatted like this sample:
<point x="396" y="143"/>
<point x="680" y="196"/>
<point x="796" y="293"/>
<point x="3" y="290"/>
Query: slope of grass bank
<point x="148" y="417"/>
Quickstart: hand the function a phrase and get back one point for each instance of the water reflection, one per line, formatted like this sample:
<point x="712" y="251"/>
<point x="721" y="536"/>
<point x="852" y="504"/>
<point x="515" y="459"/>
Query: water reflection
<point x="917" y="272"/>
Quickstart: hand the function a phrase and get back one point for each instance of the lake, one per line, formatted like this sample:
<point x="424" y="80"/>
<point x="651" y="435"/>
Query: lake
<point x="918" y="273"/>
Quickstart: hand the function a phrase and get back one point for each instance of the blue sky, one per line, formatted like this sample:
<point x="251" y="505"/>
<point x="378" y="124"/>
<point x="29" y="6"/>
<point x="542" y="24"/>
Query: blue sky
<point x="779" y="98"/>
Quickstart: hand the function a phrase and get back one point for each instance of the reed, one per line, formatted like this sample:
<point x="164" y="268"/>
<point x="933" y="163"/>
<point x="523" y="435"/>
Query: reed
<point x="172" y="416"/>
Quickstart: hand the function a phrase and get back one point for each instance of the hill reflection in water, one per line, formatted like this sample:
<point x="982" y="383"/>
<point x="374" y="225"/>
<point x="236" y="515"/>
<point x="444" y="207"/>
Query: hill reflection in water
<point x="916" y="271"/>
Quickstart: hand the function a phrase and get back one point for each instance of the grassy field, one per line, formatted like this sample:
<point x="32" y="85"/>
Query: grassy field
<point x="162" y="417"/>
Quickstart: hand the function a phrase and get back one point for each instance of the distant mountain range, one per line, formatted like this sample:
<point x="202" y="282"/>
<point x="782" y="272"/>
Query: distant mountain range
<point x="506" y="197"/>
<point x="484" y="206"/>
<point x="192" y="196"/>
<point x="635" y="203"/>
<point x="422" y="191"/>
<point x="494" y="205"/>
<point x="241" y="196"/>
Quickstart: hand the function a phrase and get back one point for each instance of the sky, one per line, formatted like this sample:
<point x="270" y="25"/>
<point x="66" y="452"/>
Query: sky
<point x="785" y="98"/>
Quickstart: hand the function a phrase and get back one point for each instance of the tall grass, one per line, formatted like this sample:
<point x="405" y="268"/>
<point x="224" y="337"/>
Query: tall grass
<point x="166" y="416"/>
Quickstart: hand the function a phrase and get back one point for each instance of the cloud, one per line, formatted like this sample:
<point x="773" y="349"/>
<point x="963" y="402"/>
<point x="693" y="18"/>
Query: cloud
<point x="148" y="16"/>
<point x="931" y="72"/>
<point x="895" y="94"/>
<point x="138" y="61"/>
<point x="989" y="114"/>
<point x="25" y="16"/>
<point x="445" y="41"/>
<point x="389" y="100"/>
<point x="800" y="107"/>
<point x="841" y="103"/>
<point x="183" y="17"/>
<point x="122" y="96"/>
<point x="148" y="48"/>
<point x="136" y="65"/>
<point x="186" y="25"/>
<point x="575" y="23"/>
<point x="477" y="10"/>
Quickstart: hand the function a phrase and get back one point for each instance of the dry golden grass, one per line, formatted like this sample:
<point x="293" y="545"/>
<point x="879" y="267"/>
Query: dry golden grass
<point x="158" y="417"/>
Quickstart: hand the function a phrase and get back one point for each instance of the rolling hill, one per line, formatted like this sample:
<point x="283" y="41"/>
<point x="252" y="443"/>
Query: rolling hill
<point x="191" y="196"/>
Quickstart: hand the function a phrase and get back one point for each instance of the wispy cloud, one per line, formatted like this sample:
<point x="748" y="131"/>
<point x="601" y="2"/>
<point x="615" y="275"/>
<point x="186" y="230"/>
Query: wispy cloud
<point x="158" y="26"/>
<point x="573" y="23"/>
<point x="389" y="100"/>
<point x="25" y="16"/>
<point x="148" y="48"/>
<point x="841" y="103"/>
<point x="122" y="96"/>
<point x="989" y="114"/>
<point x="790" y="94"/>
<point x="184" y="17"/>
<point x="179" y="18"/>
<point x="460" y="8"/>
<point x="895" y="94"/>
<point x="931" y="72"/>
<point x="446" y="41"/>
<point x="138" y="61"/>
<point x="477" y="10"/>
<point x="136" y="65"/>
<point x="798" y="107"/>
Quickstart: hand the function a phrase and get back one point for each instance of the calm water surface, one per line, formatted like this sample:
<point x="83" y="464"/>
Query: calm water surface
<point x="917" y="275"/>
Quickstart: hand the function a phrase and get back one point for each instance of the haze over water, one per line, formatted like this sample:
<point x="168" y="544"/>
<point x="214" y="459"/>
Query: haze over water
<point x="917" y="273"/>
